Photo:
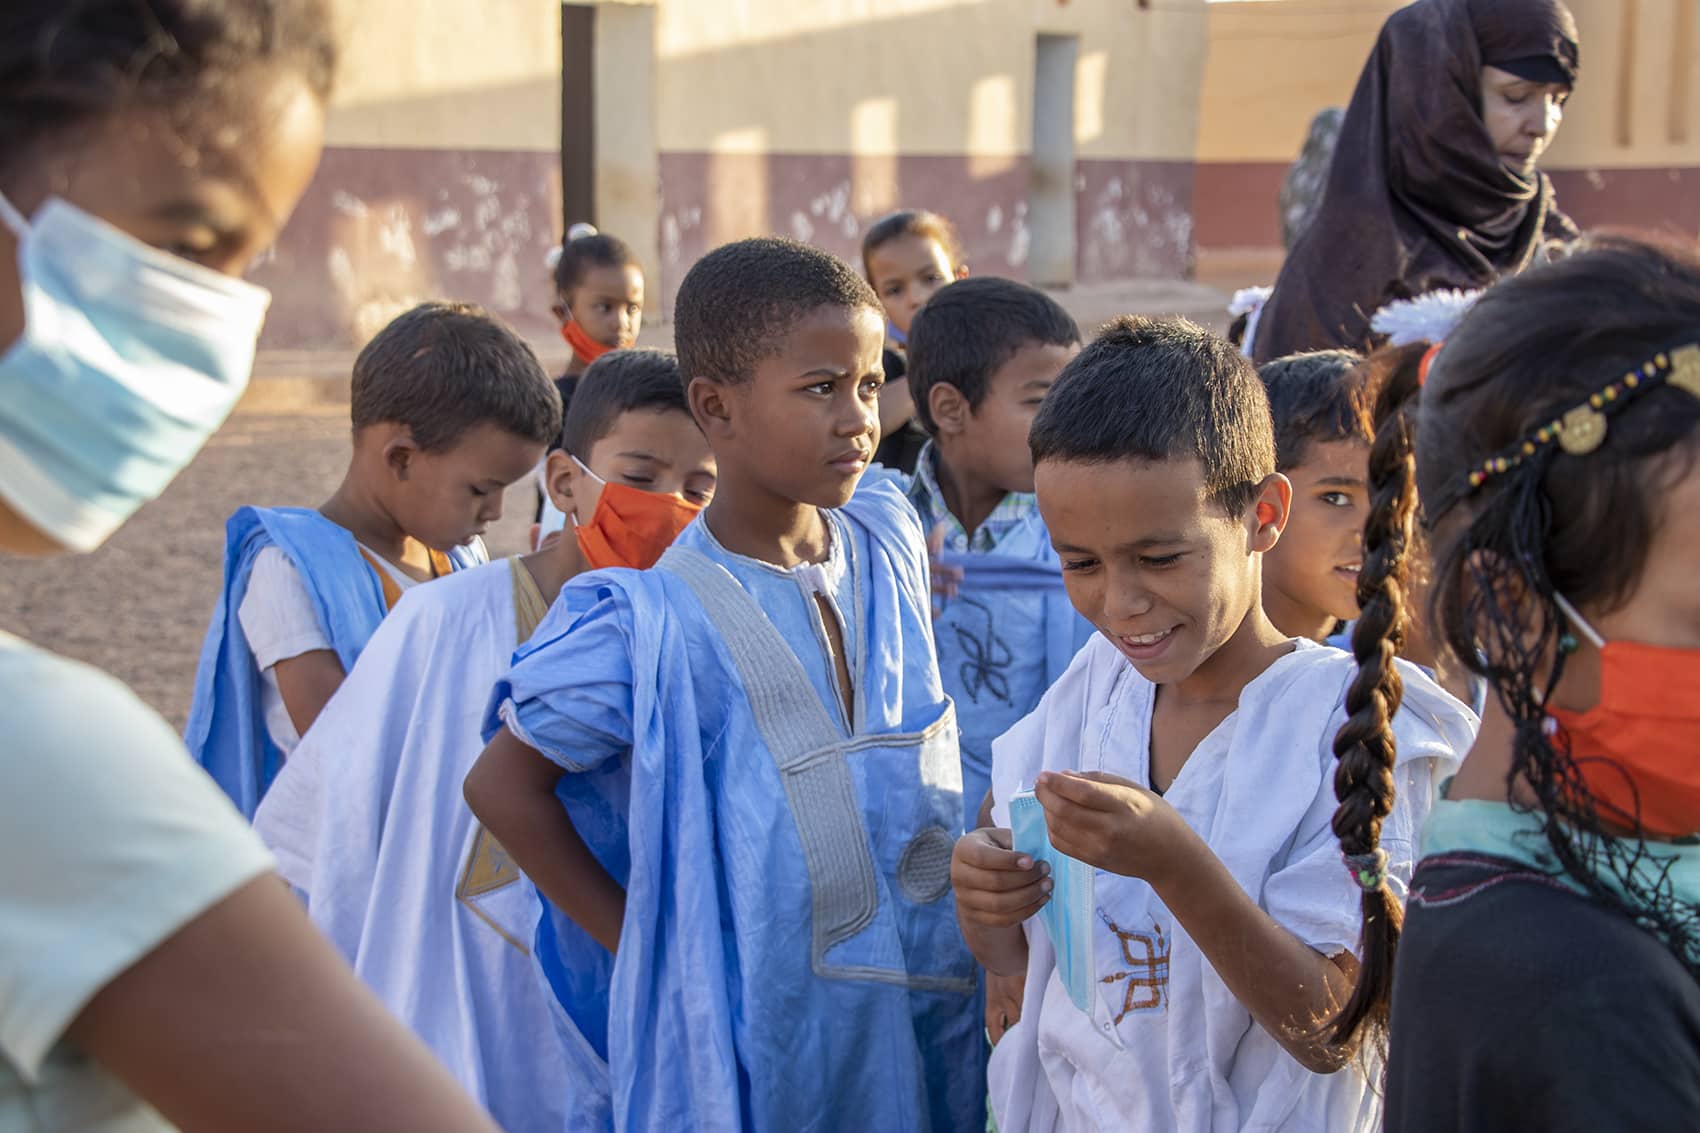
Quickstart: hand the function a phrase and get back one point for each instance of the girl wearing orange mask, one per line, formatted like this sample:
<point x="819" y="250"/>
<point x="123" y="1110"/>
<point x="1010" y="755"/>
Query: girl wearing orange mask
<point x="598" y="297"/>
<point x="1553" y="933"/>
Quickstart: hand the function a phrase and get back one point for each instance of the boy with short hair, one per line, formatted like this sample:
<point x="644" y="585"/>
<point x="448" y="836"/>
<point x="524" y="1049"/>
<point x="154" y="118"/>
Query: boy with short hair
<point x="367" y="819"/>
<point x="1187" y="757"/>
<point x="739" y="768"/>
<point x="982" y="355"/>
<point x="449" y="407"/>
<point x="1322" y="439"/>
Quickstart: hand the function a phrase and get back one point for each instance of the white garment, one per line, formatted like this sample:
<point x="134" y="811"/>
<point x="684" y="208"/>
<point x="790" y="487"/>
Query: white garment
<point x="279" y="622"/>
<point x="368" y="821"/>
<point x="1168" y="1047"/>
<point x="111" y="840"/>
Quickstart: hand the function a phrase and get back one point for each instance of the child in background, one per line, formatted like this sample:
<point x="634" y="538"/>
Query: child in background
<point x="1322" y="435"/>
<point x="1554" y="465"/>
<point x="739" y="768"/>
<point x="598" y="297"/>
<point x="982" y="356"/>
<point x="367" y="819"/>
<point x="907" y="257"/>
<point x="449" y="407"/>
<point x="1187" y="756"/>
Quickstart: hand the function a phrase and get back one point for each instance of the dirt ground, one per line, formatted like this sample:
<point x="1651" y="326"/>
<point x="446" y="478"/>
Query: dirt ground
<point x="138" y="607"/>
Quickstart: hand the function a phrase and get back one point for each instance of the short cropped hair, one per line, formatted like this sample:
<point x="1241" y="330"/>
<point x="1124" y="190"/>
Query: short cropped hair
<point x="738" y="303"/>
<point x="969" y="329"/>
<point x="616" y="383"/>
<point x="1162" y="389"/>
<point x="442" y="369"/>
<point x="597" y="250"/>
<point x="1315" y="398"/>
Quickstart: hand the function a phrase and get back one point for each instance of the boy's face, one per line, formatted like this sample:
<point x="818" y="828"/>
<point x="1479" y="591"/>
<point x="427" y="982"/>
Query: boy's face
<point x="653" y="450"/>
<point x="803" y="427"/>
<point x="1316" y="566"/>
<point x="992" y="441"/>
<point x="445" y="498"/>
<point x="905" y="272"/>
<point x="1151" y="561"/>
<point x="608" y="304"/>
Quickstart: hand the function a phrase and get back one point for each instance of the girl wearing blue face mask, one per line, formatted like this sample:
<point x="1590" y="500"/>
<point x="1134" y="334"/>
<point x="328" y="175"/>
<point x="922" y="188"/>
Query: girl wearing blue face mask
<point x="153" y="970"/>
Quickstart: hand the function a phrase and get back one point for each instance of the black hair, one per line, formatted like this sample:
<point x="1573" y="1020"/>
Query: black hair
<point x="970" y="328"/>
<point x="739" y="302"/>
<point x="1506" y="542"/>
<point x="1162" y="389"/>
<point x="444" y="368"/>
<point x="1315" y="398"/>
<point x="594" y="251"/>
<point x="912" y="222"/>
<point x="64" y="63"/>
<point x="620" y="381"/>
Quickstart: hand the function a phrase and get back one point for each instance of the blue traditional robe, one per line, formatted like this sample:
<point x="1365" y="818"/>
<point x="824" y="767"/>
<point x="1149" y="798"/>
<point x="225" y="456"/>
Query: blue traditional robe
<point x="789" y="958"/>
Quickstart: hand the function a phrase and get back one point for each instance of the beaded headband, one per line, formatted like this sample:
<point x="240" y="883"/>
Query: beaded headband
<point x="1581" y="430"/>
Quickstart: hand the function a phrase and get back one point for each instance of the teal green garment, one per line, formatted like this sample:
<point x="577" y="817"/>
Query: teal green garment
<point x="1481" y="827"/>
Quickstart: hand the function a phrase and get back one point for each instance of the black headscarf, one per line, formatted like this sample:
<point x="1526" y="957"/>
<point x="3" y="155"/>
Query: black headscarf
<point x="1418" y="197"/>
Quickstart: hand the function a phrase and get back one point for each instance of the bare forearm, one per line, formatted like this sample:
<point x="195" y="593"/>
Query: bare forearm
<point x="1001" y="950"/>
<point x="1289" y="987"/>
<point x="536" y="832"/>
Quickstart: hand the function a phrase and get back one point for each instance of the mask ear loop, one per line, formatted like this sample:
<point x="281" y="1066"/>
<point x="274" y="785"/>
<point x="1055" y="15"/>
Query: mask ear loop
<point x="12" y="218"/>
<point x="1577" y="620"/>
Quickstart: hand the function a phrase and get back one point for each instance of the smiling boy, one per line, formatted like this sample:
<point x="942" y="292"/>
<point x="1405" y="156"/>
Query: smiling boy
<point x="738" y="770"/>
<point x="1187" y="756"/>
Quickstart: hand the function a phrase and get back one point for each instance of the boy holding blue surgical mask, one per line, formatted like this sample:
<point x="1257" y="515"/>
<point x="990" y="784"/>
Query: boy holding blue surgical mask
<point x="1187" y="758"/>
<point x="449" y="407"/>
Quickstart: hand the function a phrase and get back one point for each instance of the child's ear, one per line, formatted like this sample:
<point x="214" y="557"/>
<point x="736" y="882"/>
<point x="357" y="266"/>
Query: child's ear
<point x="400" y="453"/>
<point x="949" y="408"/>
<point x="560" y="479"/>
<point x="1270" y="510"/>
<point x="711" y="405"/>
<point x="560" y="311"/>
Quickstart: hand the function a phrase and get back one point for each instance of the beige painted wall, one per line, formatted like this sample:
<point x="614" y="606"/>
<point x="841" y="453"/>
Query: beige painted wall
<point x="1274" y="63"/>
<point x="874" y="77"/>
<point x="449" y="74"/>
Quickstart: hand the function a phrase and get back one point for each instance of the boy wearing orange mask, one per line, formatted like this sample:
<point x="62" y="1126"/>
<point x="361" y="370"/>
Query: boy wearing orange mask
<point x="367" y="820"/>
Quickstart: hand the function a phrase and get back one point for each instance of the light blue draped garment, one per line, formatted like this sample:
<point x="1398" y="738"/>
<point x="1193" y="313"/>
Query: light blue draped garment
<point x="789" y="958"/>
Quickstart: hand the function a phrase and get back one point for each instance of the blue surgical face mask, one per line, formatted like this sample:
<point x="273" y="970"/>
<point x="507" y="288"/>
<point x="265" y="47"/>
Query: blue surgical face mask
<point x="1068" y="915"/>
<point x="129" y="359"/>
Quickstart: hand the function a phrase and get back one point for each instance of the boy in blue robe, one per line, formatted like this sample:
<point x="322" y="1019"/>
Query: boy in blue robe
<point x="982" y="354"/>
<point x="733" y="777"/>
<point x="449" y="407"/>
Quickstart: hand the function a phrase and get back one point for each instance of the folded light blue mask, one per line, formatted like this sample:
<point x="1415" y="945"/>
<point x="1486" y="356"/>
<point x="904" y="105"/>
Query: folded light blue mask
<point x="1068" y="915"/>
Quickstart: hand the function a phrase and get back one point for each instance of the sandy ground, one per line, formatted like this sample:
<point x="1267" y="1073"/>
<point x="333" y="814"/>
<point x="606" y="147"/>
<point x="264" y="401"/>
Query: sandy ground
<point x="138" y="607"/>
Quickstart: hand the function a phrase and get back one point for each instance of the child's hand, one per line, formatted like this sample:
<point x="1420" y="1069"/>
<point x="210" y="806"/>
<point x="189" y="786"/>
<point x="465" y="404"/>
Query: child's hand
<point x="946" y="580"/>
<point x="995" y="886"/>
<point x="1112" y="824"/>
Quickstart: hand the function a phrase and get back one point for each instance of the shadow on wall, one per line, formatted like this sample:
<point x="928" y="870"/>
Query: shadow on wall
<point x="381" y="229"/>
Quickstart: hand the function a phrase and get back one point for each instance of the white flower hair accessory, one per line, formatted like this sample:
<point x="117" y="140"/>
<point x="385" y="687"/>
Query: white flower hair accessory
<point x="552" y="258"/>
<point x="1430" y="317"/>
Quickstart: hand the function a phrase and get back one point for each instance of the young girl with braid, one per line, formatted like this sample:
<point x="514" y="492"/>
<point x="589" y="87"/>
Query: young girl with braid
<point x="1546" y="976"/>
<point x="1186" y="755"/>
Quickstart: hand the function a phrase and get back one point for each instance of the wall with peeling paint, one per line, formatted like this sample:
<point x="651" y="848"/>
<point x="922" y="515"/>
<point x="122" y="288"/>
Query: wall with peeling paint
<point x="441" y="174"/>
<point x="812" y="117"/>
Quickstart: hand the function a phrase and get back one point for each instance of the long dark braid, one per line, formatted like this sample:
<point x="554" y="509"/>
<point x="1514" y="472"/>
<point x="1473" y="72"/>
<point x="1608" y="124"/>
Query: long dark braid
<point x="1364" y="747"/>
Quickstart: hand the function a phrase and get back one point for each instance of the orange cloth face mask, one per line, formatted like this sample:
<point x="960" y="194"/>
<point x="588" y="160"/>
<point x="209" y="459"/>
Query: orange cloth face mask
<point x="1641" y="742"/>
<point x="631" y="527"/>
<point x="585" y="348"/>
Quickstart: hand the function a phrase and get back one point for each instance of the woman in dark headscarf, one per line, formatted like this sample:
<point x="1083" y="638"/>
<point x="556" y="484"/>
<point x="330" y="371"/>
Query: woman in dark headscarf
<point x="1434" y="181"/>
